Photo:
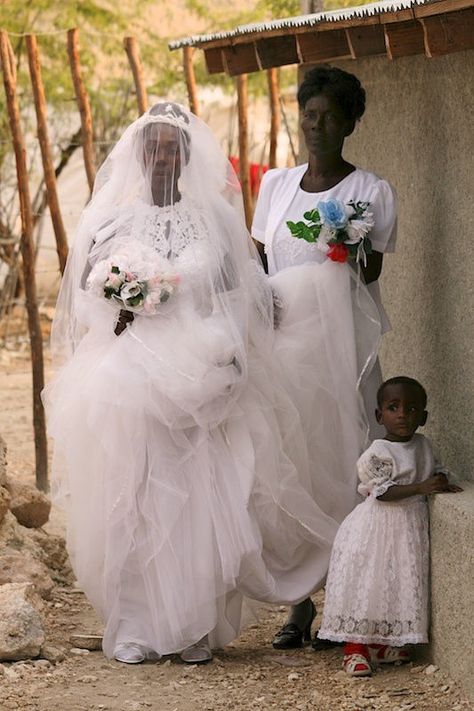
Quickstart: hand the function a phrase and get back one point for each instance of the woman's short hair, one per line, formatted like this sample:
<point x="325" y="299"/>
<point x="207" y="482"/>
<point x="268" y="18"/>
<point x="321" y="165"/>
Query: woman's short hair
<point x="340" y="86"/>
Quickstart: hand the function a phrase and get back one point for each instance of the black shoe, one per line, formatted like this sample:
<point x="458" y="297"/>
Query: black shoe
<point x="320" y="645"/>
<point x="291" y="636"/>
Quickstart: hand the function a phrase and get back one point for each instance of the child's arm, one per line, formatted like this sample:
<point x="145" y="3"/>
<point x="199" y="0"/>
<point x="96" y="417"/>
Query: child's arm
<point x="436" y="484"/>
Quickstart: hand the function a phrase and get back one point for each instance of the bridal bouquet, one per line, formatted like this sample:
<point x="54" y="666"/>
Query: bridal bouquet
<point x="340" y="231"/>
<point x="136" y="279"/>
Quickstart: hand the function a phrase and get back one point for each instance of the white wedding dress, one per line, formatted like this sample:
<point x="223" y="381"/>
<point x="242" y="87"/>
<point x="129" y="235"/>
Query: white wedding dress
<point x="184" y="472"/>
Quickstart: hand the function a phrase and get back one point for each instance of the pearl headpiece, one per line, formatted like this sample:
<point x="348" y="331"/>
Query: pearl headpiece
<point x="170" y="115"/>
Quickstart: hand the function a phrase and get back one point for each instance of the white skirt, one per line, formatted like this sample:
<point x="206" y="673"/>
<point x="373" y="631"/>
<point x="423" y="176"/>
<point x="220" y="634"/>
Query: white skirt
<point x="377" y="586"/>
<point x="326" y="348"/>
<point x="187" y="490"/>
<point x="182" y="494"/>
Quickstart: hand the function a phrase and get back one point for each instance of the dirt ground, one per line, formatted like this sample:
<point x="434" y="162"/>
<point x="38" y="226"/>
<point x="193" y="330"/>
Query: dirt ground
<point x="247" y="676"/>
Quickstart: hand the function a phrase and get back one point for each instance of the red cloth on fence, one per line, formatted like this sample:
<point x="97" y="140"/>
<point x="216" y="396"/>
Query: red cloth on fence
<point x="257" y="171"/>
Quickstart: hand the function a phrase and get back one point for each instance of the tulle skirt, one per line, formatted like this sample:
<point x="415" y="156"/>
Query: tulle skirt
<point x="377" y="587"/>
<point x="326" y="349"/>
<point x="192" y="480"/>
<point x="186" y="488"/>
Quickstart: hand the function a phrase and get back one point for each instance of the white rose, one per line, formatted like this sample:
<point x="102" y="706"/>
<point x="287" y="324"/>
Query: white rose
<point x="130" y="290"/>
<point x="324" y="236"/>
<point x="98" y="276"/>
<point x="357" y="229"/>
<point x="115" y="281"/>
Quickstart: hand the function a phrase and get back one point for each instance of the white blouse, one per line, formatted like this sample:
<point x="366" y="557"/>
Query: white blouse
<point x="281" y="198"/>
<point x="385" y="464"/>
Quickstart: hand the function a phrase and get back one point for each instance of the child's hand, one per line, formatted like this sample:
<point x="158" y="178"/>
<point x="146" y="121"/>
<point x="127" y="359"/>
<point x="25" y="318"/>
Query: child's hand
<point x="438" y="484"/>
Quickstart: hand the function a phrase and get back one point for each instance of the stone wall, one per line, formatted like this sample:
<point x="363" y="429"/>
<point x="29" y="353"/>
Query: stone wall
<point x="452" y="590"/>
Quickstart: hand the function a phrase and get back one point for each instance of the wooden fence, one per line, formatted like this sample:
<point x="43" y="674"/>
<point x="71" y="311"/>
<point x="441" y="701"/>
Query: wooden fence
<point x="27" y="246"/>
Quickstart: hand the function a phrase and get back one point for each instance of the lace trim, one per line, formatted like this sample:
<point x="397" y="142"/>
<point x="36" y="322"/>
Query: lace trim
<point x="379" y="468"/>
<point x="363" y="639"/>
<point x="295" y="251"/>
<point x="379" y="473"/>
<point x="397" y="632"/>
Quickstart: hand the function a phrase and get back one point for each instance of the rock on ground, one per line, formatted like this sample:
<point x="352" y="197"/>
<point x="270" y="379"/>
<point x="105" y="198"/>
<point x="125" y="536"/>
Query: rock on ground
<point x="16" y="567"/>
<point x="30" y="507"/>
<point x="3" y="462"/>
<point x="5" y="500"/>
<point x="32" y="554"/>
<point x="21" y="628"/>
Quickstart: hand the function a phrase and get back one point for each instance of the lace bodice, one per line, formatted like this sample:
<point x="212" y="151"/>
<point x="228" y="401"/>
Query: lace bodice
<point x="170" y="229"/>
<point x="290" y="251"/>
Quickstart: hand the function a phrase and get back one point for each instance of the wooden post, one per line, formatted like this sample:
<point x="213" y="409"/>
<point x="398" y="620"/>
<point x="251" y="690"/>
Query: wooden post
<point x="28" y="258"/>
<point x="190" y="80"/>
<point x="83" y="104"/>
<point x="274" y="94"/>
<point x="242" y="101"/>
<point x="131" y="48"/>
<point x="48" y="167"/>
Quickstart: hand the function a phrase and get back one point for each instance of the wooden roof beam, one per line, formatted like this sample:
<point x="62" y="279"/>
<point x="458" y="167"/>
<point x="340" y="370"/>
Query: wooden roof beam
<point x="214" y="60"/>
<point x="444" y="34"/>
<point x="366" y="41"/>
<point x="277" y="51"/>
<point x="440" y="8"/>
<point x="404" y="39"/>
<point x="241" y="59"/>
<point x="323" y="46"/>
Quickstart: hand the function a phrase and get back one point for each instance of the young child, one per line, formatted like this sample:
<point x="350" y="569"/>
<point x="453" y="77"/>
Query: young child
<point x="377" y="585"/>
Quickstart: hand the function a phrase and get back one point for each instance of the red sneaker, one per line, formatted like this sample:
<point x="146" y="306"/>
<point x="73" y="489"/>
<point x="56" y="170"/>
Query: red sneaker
<point x="384" y="654"/>
<point x="356" y="660"/>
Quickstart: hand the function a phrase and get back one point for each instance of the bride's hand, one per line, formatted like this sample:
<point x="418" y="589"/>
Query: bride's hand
<point x="125" y="317"/>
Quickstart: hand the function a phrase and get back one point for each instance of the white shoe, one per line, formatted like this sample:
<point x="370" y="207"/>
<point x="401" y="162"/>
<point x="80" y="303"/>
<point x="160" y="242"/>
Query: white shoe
<point x="133" y="653"/>
<point x="197" y="653"/>
<point x="129" y="653"/>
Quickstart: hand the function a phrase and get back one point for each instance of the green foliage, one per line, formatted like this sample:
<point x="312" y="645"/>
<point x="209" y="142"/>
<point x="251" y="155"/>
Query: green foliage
<point x="302" y="231"/>
<point x="280" y="8"/>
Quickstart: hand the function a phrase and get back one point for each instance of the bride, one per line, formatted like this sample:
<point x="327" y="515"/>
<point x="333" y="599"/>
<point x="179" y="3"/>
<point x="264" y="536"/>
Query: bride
<point x="179" y="455"/>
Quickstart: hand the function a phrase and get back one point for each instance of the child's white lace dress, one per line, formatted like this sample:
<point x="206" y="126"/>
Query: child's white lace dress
<point x="377" y="587"/>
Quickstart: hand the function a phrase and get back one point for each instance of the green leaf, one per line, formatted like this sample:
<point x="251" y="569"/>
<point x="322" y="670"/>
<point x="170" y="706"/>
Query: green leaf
<point x="312" y="216"/>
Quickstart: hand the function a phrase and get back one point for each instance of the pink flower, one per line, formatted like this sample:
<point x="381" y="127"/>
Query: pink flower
<point x="114" y="280"/>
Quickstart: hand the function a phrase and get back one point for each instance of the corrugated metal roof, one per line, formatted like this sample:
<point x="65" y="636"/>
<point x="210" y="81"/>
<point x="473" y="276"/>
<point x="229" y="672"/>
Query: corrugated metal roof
<point x="349" y="13"/>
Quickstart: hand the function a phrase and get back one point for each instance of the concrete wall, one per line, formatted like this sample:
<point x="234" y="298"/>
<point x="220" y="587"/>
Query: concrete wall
<point x="452" y="589"/>
<point x="418" y="133"/>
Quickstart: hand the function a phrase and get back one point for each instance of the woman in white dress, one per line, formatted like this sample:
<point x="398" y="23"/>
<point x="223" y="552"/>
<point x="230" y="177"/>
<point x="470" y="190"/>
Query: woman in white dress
<point x="349" y="314"/>
<point x="178" y="455"/>
<point x="377" y="590"/>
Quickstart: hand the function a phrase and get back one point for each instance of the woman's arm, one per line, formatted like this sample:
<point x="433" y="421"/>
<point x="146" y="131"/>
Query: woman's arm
<point x="373" y="268"/>
<point x="261" y="250"/>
